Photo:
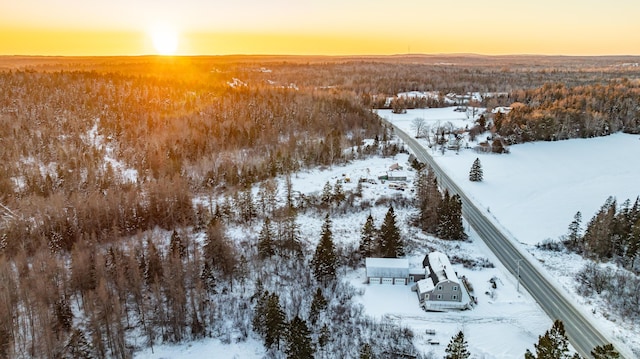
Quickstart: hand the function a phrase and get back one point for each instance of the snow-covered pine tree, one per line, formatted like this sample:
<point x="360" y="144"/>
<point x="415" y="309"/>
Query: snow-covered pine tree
<point x="553" y="344"/>
<point x="475" y="175"/>
<point x="246" y="206"/>
<point x="457" y="348"/>
<point x="326" y="197"/>
<point x="368" y="236"/>
<point x="324" y="337"/>
<point x="390" y="242"/>
<point x="299" y="344"/>
<point x="324" y="260"/>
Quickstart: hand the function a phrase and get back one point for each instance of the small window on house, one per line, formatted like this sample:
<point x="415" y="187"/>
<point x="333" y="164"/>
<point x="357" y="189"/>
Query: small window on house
<point x="411" y="279"/>
<point x="439" y="296"/>
<point x="454" y="297"/>
<point x="439" y="287"/>
<point x="455" y="287"/>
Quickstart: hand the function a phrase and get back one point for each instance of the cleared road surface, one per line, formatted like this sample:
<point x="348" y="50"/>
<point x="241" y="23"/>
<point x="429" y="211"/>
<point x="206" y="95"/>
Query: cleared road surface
<point x="580" y="331"/>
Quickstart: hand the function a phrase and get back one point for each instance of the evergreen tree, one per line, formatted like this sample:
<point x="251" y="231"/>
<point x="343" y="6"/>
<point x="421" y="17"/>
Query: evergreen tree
<point x="390" y="241"/>
<point x="327" y="196"/>
<point x="318" y="304"/>
<point x="266" y="245"/>
<point x="574" y="232"/>
<point x="176" y="247"/>
<point x="450" y="218"/>
<point x="299" y="344"/>
<point x="274" y="322"/>
<point x="554" y="344"/>
<point x="324" y="260"/>
<point x="606" y="351"/>
<point x="324" y="337"/>
<point x="63" y="315"/>
<point x="289" y="235"/>
<point x="475" y="175"/>
<point x="457" y="229"/>
<point x="597" y="236"/>
<point x="246" y="206"/>
<point x="154" y="263"/>
<point x="78" y="347"/>
<point x="260" y="313"/>
<point x="368" y="236"/>
<point x="457" y="348"/>
<point x="218" y="252"/>
<point x="428" y="199"/>
<point x="366" y="352"/>
<point x="633" y="252"/>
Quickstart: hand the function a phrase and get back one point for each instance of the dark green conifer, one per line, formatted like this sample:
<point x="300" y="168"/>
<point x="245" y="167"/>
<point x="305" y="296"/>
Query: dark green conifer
<point x="299" y="345"/>
<point x="457" y="348"/>
<point x="324" y="260"/>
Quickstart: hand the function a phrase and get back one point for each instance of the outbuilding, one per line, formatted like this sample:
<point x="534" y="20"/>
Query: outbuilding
<point x="387" y="270"/>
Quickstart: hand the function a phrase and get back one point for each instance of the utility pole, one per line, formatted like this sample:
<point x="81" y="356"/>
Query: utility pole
<point x="518" y="275"/>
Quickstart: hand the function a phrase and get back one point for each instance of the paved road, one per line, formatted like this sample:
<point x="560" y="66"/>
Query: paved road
<point x="581" y="333"/>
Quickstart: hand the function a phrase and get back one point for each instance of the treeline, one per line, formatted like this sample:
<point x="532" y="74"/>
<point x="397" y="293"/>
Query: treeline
<point x="110" y="154"/>
<point x="558" y="112"/>
<point x="613" y="234"/>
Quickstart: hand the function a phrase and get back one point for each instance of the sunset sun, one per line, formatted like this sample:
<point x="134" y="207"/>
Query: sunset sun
<point x="165" y="39"/>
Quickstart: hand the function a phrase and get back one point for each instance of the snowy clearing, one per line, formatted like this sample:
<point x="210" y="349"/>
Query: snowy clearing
<point x="537" y="183"/>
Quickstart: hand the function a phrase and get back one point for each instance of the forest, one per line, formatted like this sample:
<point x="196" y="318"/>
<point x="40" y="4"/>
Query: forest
<point x="121" y="177"/>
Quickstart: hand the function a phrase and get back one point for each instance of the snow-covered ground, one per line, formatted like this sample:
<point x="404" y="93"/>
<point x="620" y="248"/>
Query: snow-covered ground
<point x="532" y="192"/>
<point x="503" y="324"/>
<point x="535" y="191"/>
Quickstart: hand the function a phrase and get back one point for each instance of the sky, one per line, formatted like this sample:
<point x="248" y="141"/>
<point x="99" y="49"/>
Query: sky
<point x="320" y="27"/>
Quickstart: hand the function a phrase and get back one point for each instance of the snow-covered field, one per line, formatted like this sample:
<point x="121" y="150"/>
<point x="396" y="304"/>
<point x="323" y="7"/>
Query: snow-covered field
<point x="535" y="191"/>
<point x="532" y="192"/>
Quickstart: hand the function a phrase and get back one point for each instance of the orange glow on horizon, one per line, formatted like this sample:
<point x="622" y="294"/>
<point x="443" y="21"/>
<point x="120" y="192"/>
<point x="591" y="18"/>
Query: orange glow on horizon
<point x="131" y="43"/>
<point x="314" y="27"/>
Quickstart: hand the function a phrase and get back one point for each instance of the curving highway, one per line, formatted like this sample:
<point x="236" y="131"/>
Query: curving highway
<point x="581" y="332"/>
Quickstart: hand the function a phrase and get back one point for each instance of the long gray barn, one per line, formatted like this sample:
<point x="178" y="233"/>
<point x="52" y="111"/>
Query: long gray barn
<point x="387" y="270"/>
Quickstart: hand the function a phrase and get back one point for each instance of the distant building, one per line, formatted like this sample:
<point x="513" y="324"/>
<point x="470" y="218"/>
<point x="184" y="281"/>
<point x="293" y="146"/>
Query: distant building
<point x="393" y="176"/>
<point x="501" y="109"/>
